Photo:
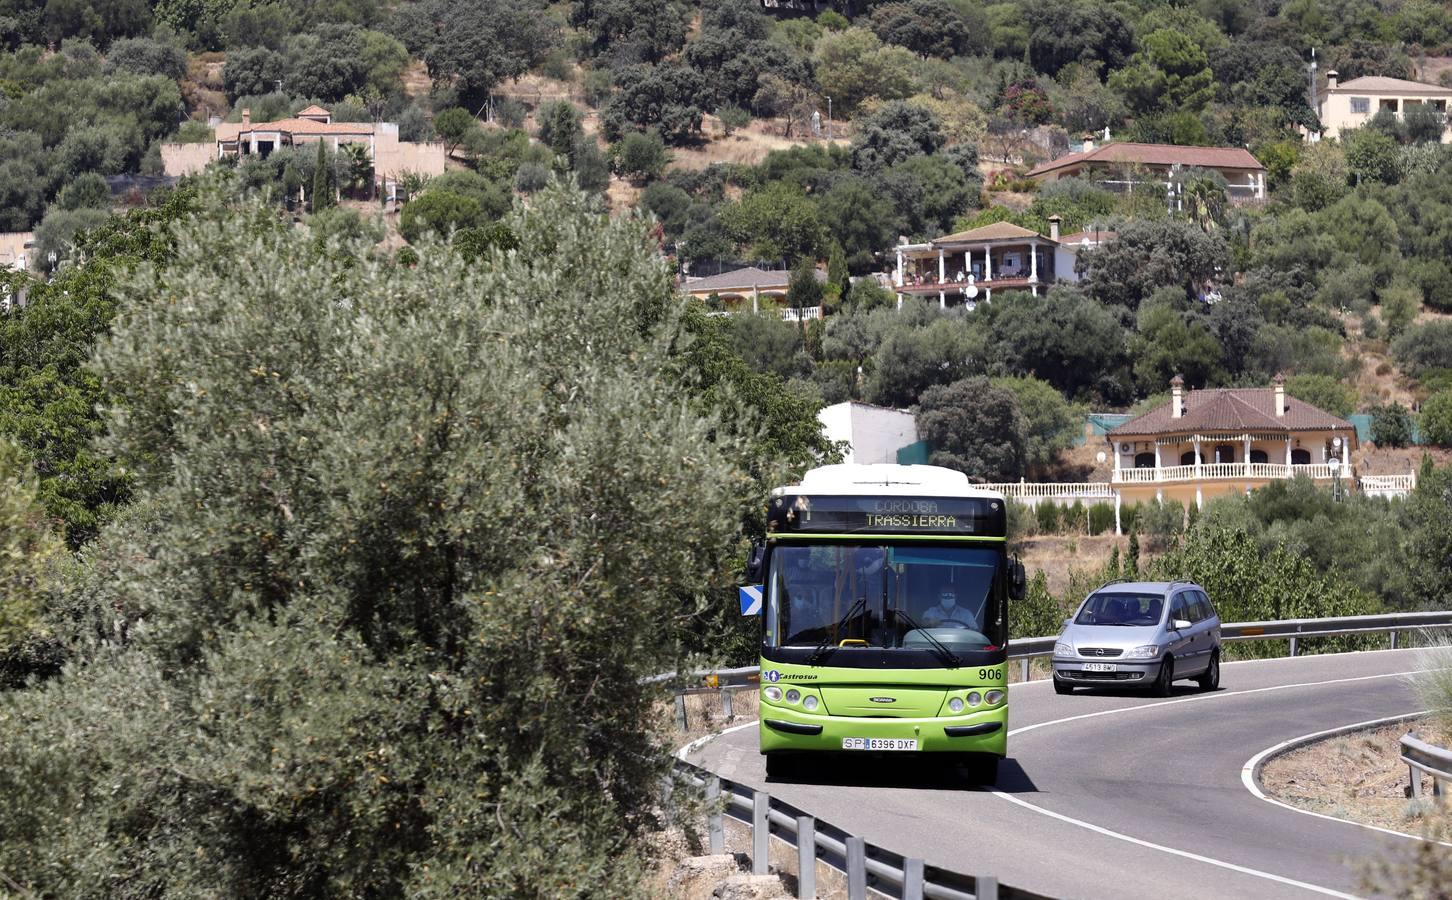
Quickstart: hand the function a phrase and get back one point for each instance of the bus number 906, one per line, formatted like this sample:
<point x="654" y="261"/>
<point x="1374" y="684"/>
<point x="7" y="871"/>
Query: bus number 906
<point x="990" y="674"/>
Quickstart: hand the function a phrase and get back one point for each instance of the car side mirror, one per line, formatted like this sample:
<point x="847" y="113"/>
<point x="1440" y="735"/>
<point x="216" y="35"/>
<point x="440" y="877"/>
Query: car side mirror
<point x="1069" y="621"/>
<point x="1180" y="624"/>
<point x="754" y="563"/>
<point x="1018" y="581"/>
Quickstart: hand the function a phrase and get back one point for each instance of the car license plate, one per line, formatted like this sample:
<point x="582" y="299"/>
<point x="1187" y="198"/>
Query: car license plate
<point x="1101" y="667"/>
<point x="879" y="744"/>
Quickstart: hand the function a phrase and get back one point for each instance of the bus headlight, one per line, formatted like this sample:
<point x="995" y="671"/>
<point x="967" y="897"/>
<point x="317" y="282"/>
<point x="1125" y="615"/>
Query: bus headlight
<point x="955" y="705"/>
<point x="1063" y="650"/>
<point x="993" y="698"/>
<point x="1148" y="651"/>
<point x="771" y="693"/>
<point x="793" y="695"/>
<point x="810" y="703"/>
<point x="974" y="698"/>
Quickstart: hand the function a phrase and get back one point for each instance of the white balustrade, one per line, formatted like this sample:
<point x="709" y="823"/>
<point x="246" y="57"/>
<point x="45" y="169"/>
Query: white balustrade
<point x="1214" y="471"/>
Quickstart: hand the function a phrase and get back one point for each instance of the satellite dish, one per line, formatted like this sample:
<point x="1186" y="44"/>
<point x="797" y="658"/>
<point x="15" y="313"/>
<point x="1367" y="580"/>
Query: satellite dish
<point x="970" y="292"/>
<point x="1334" y="463"/>
<point x="1123" y="448"/>
<point x="1100" y="456"/>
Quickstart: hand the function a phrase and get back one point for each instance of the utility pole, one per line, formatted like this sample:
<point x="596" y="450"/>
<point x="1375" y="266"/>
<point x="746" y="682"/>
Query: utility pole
<point x="829" y="119"/>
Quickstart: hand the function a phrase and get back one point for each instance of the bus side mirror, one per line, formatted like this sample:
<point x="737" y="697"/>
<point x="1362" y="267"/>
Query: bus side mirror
<point x="1018" y="581"/>
<point x="754" y="560"/>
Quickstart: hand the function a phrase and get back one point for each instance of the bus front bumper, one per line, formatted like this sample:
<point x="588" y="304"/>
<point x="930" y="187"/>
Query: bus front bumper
<point x="795" y="730"/>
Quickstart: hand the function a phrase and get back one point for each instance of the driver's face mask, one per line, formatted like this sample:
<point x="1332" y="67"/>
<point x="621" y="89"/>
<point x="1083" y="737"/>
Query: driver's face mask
<point x="948" y="601"/>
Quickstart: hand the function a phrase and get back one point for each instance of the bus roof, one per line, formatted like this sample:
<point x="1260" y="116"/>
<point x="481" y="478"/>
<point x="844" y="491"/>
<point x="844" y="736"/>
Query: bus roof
<point x="885" y="479"/>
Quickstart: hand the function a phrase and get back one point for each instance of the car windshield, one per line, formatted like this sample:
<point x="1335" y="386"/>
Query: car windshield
<point x="1121" y="609"/>
<point x="879" y="595"/>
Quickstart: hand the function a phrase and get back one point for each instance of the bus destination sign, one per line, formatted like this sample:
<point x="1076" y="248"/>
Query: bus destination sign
<point x="886" y="515"/>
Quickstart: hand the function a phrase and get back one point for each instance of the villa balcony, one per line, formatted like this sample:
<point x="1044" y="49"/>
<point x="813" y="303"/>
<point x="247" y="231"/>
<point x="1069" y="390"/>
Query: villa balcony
<point x="1237" y="470"/>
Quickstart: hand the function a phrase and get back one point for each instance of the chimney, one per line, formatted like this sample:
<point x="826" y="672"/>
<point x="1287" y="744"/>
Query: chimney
<point x="246" y="115"/>
<point x="1054" y="227"/>
<point x="1088" y="143"/>
<point x="1331" y="79"/>
<point x="1177" y="397"/>
<point x="1280" y="386"/>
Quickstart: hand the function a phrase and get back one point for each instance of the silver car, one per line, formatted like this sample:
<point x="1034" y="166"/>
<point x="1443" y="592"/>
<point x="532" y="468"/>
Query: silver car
<point x="1140" y="634"/>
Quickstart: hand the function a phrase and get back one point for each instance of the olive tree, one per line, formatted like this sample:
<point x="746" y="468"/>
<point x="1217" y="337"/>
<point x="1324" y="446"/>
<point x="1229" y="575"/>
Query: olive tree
<point x="406" y="540"/>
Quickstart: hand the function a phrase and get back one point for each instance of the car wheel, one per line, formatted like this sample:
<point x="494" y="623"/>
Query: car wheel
<point x="1062" y="687"/>
<point x="780" y="765"/>
<point x="981" y="768"/>
<point x="1166" y="679"/>
<point x="1211" y="679"/>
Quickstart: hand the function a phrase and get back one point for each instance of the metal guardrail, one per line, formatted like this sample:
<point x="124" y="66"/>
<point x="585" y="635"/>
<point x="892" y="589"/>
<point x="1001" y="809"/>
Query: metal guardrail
<point x="1423" y="758"/>
<point x="866" y="866"/>
<point x="725" y="681"/>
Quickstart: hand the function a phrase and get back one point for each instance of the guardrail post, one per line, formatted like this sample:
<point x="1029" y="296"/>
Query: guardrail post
<point x="760" y="832"/>
<point x="715" y="828"/>
<point x="1023" y="669"/>
<point x="1394" y="639"/>
<point x="1416" y="778"/>
<point x="806" y="857"/>
<point x="912" y="879"/>
<point x="1295" y="645"/>
<point x="856" y="868"/>
<point x="726" y="712"/>
<point x="681" y="722"/>
<point x="985" y="887"/>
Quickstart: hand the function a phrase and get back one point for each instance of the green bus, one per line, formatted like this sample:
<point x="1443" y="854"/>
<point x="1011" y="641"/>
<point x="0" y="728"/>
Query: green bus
<point x="884" y="617"/>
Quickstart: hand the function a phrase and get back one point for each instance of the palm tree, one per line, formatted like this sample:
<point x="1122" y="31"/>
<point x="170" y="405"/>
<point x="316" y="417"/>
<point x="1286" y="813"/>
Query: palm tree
<point x="1203" y="196"/>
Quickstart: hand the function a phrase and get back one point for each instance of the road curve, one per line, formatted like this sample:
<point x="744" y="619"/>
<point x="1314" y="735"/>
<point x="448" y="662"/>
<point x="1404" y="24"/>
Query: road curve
<point x="1121" y="795"/>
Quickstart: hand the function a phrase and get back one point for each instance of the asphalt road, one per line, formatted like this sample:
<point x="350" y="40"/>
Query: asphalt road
<point x="1122" y="795"/>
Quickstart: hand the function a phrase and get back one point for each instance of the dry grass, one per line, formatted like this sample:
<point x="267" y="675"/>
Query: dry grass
<point x="1058" y="555"/>
<point x="1356" y="777"/>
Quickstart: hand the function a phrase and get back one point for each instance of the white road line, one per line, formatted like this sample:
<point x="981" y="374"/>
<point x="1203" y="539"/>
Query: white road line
<point x="1249" y="774"/>
<point x="1099" y="829"/>
<point x="1174" y="852"/>
<point x="1202" y="698"/>
<point x="700" y="742"/>
<point x="1260" y="659"/>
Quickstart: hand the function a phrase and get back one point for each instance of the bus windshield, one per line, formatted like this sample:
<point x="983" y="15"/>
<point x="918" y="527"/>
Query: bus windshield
<point x="884" y="595"/>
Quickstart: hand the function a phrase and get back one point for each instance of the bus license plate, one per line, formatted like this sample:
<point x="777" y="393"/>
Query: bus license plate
<point x="1101" y="667"/>
<point x="879" y="744"/>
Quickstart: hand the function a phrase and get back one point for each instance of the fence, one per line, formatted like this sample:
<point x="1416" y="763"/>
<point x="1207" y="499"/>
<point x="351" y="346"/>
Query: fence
<point x="1423" y="758"/>
<point x="865" y="865"/>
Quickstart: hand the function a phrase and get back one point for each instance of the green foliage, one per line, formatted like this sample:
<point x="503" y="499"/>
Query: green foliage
<point x="1039" y="613"/>
<point x="1068" y="340"/>
<point x="1429" y="537"/>
<point x="665" y="97"/>
<point x="1170" y="73"/>
<point x="340" y="636"/>
<point x="559" y="126"/>
<point x="804" y="290"/>
<point x="974" y="427"/>
<point x="1323" y="392"/>
<point x="911" y="359"/>
<point x="1391" y="425"/>
<point x="639" y="156"/>
<point x="1436" y="419"/>
<point x="1050" y="423"/>
<point x="323" y="194"/>
<point x="455" y="125"/>
<point x="1087" y="32"/>
<point x="775" y="222"/>
<point x="1371" y="156"/>
<point x="470" y="48"/>
<point x="28" y="551"/>
<point x="852" y="66"/>
<point x="894" y="132"/>
<point x="1148" y="255"/>
<point x="1426" y="347"/>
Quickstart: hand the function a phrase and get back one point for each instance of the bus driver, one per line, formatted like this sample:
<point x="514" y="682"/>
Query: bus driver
<point x="947" y="612"/>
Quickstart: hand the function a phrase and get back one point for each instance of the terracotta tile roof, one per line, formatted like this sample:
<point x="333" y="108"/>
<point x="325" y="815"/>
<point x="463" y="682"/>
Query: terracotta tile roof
<point x="997" y="231"/>
<point x="1093" y="237"/>
<point x="1381" y="84"/>
<point x="229" y="131"/>
<point x="1157" y="155"/>
<point x="315" y="110"/>
<point x="745" y="279"/>
<point x="1233" y="410"/>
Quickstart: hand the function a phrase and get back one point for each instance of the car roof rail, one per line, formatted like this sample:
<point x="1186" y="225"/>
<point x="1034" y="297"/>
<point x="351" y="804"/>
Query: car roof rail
<point x="1108" y="583"/>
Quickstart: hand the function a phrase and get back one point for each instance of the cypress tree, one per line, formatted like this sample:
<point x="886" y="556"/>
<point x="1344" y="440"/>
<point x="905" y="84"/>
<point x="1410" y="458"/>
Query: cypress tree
<point x="322" y="181"/>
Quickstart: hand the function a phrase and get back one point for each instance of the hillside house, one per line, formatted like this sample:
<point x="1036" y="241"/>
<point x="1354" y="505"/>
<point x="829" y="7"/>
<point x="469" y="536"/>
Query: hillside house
<point x="751" y="288"/>
<point x="1124" y="167"/>
<point x="391" y="157"/>
<point x="1353" y="104"/>
<point x="968" y="266"/>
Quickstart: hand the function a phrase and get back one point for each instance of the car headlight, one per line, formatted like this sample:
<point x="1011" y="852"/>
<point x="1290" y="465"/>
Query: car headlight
<point x="810" y="703"/>
<point x="974" y="699"/>
<point x="1062" y="649"/>
<point x="793" y="695"/>
<point x="1148" y="651"/>
<point x="772" y="693"/>
<point x="955" y="705"/>
<point x="993" y="698"/>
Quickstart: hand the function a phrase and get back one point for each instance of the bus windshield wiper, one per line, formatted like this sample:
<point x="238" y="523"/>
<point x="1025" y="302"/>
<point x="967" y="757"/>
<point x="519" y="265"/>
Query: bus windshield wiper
<point x="825" y="645"/>
<point x="947" y="655"/>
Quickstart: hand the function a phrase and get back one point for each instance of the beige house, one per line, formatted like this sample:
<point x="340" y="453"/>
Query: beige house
<point x="392" y="158"/>
<point x="1351" y="105"/>
<point x="751" y="288"/>
<point x="16" y="249"/>
<point x="1125" y="167"/>
<point x="1227" y="440"/>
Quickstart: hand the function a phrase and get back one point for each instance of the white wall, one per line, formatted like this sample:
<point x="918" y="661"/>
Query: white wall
<point x="874" y="433"/>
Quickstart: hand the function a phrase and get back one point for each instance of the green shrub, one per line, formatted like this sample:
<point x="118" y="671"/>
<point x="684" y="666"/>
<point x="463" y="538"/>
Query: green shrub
<point x="1074" y="519"/>
<point x="1436" y="419"/>
<point x="1049" y="517"/>
<point x="1391" y="425"/>
<point x="1101" y="518"/>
